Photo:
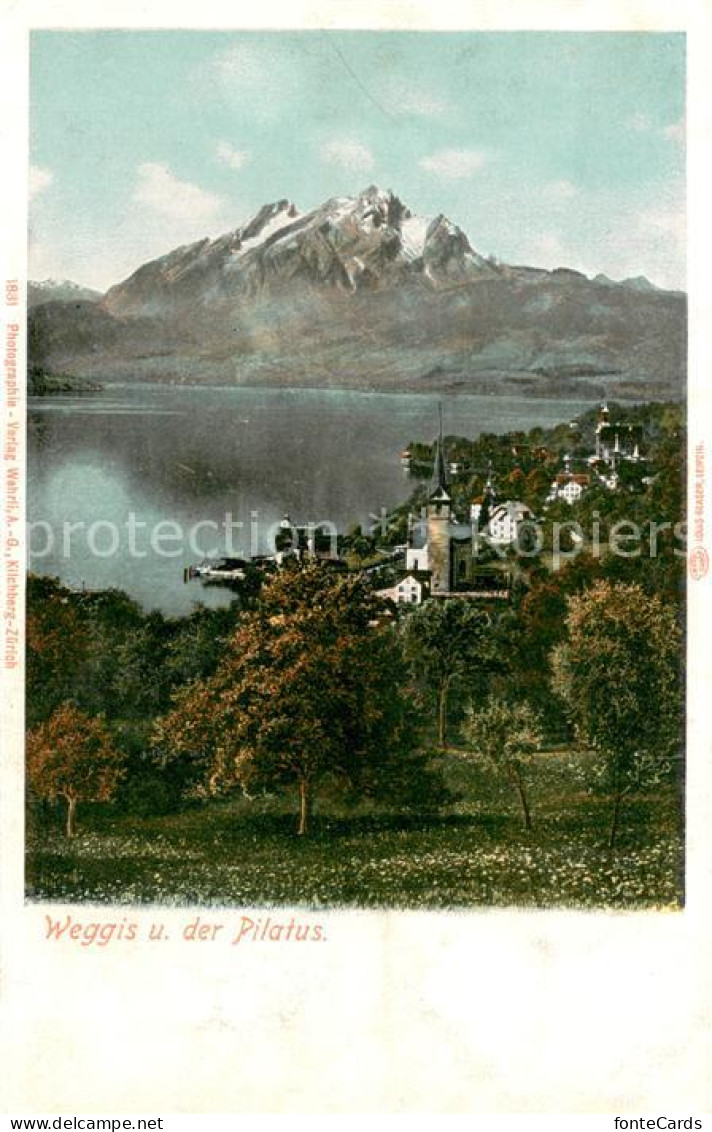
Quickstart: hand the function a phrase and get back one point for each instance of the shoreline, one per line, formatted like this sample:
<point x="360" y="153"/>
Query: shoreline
<point x="628" y="395"/>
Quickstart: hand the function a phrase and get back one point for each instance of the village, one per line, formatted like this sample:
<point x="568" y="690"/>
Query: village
<point x="427" y="698"/>
<point x="465" y="526"/>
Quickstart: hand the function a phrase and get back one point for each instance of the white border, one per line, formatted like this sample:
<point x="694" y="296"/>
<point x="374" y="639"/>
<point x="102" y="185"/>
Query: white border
<point x="483" y="1012"/>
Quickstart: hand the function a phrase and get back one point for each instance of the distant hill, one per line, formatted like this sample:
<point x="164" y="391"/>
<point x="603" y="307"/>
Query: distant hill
<point x="633" y="283"/>
<point x="362" y="293"/>
<point x="58" y="290"/>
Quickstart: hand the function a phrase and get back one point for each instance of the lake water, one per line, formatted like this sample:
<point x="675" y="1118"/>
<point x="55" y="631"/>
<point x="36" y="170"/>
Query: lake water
<point x="136" y="467"/>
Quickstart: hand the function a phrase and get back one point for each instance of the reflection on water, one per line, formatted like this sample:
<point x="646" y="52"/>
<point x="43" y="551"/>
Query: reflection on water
<point x="136" y="456"/>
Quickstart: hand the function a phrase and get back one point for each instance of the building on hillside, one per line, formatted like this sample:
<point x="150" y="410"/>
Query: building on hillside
<point x="509" y="521"/>
<point x="449" y="543"/>
<point x="438" y="545"/>
<point x="312" y="541"/>
<point x="411" y="588"/>
<point x="616" y="440"/>
<point x="416" y="554"/>
<point x="482" y="506"/>
<point x="569" y="486"/>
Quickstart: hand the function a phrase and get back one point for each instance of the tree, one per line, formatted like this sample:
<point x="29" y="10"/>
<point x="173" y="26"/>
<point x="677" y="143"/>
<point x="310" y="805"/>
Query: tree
<point x="198" y="641"/>
<point x="503" y="732"/>
<point x="619" y="674"/>
<point x="58" y="645"/>
<point x="537" y="625"/>
<point x="359" y="544"/>
<point x="71" y="756"/>
<point x="309" y="687"/>
<point x="516" y="481"/>
<point x="445" y="641"/>
<point x="537" y="486"/>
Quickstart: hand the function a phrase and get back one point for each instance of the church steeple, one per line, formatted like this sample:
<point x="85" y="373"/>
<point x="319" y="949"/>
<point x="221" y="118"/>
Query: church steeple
<point x="439" y="491"/>
<point x="438" y="522"/>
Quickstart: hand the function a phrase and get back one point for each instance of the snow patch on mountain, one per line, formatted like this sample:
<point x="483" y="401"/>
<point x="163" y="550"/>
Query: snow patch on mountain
<point x="59" y="290"/>
<point x="368" y="242"/>
<point x="59" y="284"/>
<point x="413" y="233"/>
<point x="281" y="219"/>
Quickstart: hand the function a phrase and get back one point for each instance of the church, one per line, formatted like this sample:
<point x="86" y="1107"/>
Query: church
<point x="440" y="548"/>
<point x="616" y="440"/>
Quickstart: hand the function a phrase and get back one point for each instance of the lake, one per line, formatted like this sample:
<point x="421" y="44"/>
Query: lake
<point x="128" y="486"/>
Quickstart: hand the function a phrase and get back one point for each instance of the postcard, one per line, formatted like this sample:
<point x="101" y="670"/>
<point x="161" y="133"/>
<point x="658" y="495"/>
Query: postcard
<point x="355" y="561"/>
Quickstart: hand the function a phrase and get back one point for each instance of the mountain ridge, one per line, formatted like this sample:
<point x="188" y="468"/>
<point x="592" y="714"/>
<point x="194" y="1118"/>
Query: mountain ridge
<point x="361" y="292"/>
<point x="366" y="242"/>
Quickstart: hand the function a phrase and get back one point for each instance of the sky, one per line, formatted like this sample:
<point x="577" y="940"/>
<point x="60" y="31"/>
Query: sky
<point x="548" y="149"/>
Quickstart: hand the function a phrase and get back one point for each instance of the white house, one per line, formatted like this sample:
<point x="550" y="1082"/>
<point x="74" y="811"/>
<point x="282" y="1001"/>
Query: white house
<point x="408" y="590"/>
<point x="569" y="486"/>
<point x="416" y="555"/>
<point x="506" y="521"/>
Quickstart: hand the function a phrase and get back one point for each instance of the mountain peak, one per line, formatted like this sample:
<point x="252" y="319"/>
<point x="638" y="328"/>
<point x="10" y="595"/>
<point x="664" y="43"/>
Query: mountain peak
<point x="632" y="283"/>
<point x="371" y="241"/>
<point x="380" y="206"/>
<point x="363" y="292"/>
<point x="639" y="283"/>
<point x="376" y="194"/>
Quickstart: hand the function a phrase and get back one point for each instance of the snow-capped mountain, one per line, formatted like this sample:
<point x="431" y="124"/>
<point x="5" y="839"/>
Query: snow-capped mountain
<point x="362" y="292"/>
<point x="59" y="291"/>
<point x="367" y="242"/>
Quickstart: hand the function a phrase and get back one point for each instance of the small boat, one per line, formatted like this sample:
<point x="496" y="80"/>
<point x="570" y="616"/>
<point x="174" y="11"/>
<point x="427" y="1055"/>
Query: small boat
<point x="219" y="569"/>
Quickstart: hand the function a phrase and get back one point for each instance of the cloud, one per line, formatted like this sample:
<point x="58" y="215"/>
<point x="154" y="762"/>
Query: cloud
<point x="675" y="132"/>
<point x="160" y="190"/>
<point x="640" y="123"/>
<point x="667" y="220"/>
<point x="244" y="65"/>
<point x="234" y="158"/>
<point x="258" y="78"/>
<point x="348" y="154"/>
<point x="453" y="164"/>
<point x="138" y="235"/>
<point x="403" y="98"/>
<point x="651" y="241"/>
<point x="560" y="191"/>
<point x="641" y="233"/>
<point x="39" y="180"/>
<point x="160" y="213"/>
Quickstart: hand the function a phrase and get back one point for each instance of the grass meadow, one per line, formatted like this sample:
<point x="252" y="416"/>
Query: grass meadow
<point x="475" y="853"/>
